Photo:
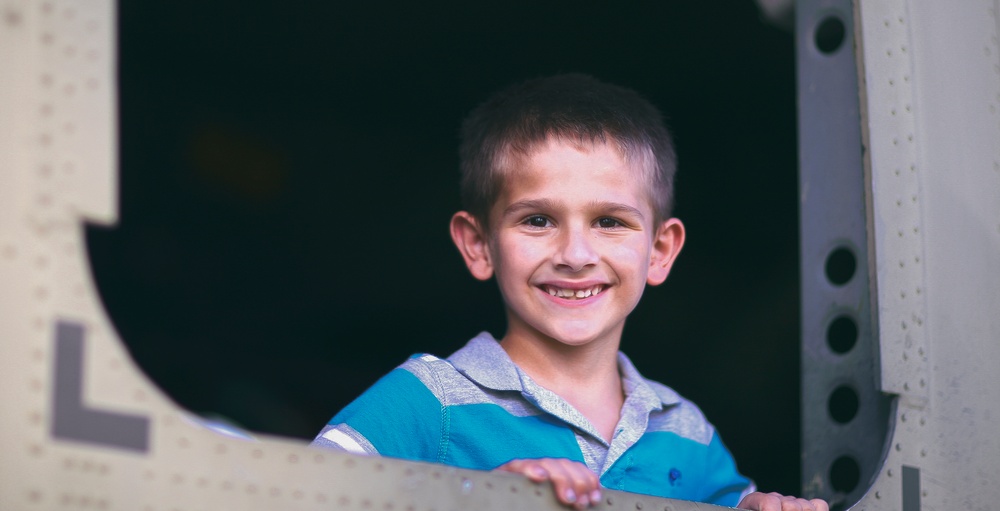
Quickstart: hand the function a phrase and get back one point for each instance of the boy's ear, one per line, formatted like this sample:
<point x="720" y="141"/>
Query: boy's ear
<point x="667" y="243"/>
<point x="471" y="240"/>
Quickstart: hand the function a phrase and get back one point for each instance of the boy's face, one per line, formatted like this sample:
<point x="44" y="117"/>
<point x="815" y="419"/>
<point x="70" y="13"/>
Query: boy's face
<point x="573" y="244"/>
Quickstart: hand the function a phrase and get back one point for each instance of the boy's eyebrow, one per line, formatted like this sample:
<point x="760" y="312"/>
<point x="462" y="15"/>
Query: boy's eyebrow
<point x="617" y="207"/>
<point x="541" y="204"/>
<point x="549" y="204"/>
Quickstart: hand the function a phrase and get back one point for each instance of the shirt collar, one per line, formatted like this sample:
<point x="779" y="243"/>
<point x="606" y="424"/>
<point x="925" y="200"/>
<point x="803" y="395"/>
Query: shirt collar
<point x="652" y="394"/>
<point x="483" y="361"/>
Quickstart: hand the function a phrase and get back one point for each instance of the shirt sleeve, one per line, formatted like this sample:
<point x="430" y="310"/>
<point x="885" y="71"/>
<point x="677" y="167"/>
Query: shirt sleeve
<point x="397" y="417"/>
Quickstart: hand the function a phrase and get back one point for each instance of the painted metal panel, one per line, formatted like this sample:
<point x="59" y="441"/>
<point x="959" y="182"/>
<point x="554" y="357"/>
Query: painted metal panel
<point x="932" y="78"/>
<point x="844" y="414"/>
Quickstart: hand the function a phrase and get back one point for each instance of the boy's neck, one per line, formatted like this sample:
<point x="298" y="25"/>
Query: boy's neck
<point x="550" y="361"/>
<point x="587" y="377"/>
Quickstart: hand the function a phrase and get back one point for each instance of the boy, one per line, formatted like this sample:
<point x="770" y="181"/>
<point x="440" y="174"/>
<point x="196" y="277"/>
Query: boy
<point x="567" y="188"/>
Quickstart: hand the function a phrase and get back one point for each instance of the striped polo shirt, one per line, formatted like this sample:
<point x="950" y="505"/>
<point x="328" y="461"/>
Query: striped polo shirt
<point x="478" y="410"/>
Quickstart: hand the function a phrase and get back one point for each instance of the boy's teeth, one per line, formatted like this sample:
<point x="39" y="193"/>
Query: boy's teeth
<point x="571" y="293"/>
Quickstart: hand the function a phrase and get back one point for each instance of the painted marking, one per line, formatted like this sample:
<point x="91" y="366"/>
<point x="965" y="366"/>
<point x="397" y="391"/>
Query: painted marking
<point x="71" y="419"/>
<point x="911" y="488"/>
<point x="340" y="438"/>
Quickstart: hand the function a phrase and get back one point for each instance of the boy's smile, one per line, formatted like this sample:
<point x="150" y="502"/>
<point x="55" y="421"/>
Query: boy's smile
<point x="572" y="243"/>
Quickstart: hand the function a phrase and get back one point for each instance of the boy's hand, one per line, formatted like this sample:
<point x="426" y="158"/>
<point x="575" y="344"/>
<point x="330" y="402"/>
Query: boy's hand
<point x="757" y="501"/>
<point x="575" y="485"/>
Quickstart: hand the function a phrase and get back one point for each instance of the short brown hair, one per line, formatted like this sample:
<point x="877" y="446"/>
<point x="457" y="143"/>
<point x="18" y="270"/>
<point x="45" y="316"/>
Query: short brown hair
<point x="573" y="107"/>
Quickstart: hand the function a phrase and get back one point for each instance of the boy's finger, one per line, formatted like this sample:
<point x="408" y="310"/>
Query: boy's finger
<point x="531" y="469"/>
<point x="536" y="473"/>
<point x="575" y="481"/>
<point x="565" y="483"/>
<point x="820" y="505"/>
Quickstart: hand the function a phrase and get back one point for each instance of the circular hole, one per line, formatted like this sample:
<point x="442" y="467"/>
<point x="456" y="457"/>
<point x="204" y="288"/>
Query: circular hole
<point x="840" y="266"/>
<point x="843" y="404"/>
<point x="842" y="334"/>
<point x="830" y="34"/>
<point x="845" y="474"/>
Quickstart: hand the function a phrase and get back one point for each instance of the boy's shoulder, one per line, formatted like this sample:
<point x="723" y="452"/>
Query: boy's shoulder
<point x="463" y="377"/>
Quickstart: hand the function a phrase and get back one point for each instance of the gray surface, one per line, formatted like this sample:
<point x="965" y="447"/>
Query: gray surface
<point x="71" y="418"/>
<point x="832" y="217"/>
<point x="911" y="488"/>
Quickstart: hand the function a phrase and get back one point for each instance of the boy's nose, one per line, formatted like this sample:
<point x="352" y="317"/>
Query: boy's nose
<point x="576" y="250"/>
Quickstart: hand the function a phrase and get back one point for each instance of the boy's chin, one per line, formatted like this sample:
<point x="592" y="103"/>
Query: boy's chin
<point x="577" y="338"/>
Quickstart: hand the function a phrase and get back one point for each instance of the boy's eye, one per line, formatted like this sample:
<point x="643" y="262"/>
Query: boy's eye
<point x="608" y="223"/>
<point x="537" y="221"/>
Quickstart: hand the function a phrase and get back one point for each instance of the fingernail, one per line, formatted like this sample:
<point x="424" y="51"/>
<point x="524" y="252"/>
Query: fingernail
<point x="538" y="472"/>
<point x="570" y="495"/>
<point x="595" y="496"/>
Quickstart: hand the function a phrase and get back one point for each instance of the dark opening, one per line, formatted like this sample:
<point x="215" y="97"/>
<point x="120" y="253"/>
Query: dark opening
<point x="830" y="35"/>
<point x="845" y="474"/>
<point x="840" y="266"/>
<point x="843" y="404"/>
<point x="842" y="334"/>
